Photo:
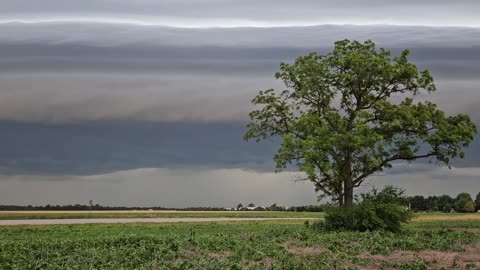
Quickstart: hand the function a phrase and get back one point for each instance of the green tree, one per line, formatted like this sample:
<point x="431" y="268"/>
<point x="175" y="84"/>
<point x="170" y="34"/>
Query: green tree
<point x="342" y="117"/>
<point x="418" y="203"/>
<point x="477" y="201"/>
<point x="446" y="203"/>
<point x="469" y="207"/>
<point x="464" y="203"/>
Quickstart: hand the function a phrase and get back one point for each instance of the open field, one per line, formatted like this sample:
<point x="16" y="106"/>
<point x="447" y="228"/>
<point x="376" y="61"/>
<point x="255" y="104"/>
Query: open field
<point x="447" y="217"/>
<point x="285" y="244"/>
<point x="136" y="220"/>
<point x="13" y="215"/>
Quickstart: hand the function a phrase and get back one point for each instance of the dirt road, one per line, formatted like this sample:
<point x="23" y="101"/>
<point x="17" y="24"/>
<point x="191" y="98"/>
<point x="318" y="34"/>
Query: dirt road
<point x="130" y="220"/>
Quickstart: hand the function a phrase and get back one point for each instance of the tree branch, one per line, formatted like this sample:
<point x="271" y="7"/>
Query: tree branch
<point x="390" y="159"/>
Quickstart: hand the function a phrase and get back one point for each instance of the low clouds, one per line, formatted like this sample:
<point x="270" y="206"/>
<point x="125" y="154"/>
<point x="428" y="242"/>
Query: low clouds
<point x="423" y="179"/>
<point x="211" y="187"/>
<point x="159" y="187"/>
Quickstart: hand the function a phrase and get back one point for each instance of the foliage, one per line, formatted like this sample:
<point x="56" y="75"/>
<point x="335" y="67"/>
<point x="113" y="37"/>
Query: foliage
<point x="339" y="122"/>
<point x="469" y="207"/>
<point x="309" y="208"/>
<point x="477" y="201"/>
<point x="389" y="194"/>
<point x="431" y="203"/>
<point x="384" y="210"/>
<point x="464" y="203"/>
<point x="443" y="203"/>
<point x="208" y="246"/>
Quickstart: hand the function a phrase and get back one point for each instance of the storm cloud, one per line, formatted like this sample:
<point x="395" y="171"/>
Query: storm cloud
<point x="125" y="97"/>
<point x="89" y="148"/>
<point x="63" y="73"/>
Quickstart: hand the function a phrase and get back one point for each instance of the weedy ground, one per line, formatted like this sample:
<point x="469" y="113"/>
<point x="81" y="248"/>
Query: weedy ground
<point x="430" y="244"/>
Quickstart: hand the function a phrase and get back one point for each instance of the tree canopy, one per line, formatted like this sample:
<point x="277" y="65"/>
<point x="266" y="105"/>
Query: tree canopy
<point x="464" y="203"/>
<point x="353" y="112"/>
<point x="477" y="201"/>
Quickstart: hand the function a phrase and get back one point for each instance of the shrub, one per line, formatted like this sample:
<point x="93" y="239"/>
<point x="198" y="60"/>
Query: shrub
<point x="384" y="210"/>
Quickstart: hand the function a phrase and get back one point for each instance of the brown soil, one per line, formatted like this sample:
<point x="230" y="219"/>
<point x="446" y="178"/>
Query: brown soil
<point x="297" y="248"/>
<point x="468" y="259"/>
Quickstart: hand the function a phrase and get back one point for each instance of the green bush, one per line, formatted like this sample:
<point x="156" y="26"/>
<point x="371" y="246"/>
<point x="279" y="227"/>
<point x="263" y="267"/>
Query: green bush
<point x="384" y="210"/>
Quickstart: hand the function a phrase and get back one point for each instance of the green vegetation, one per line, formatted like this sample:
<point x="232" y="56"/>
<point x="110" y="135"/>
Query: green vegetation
<point x="377" y="210"/>
<point x="173" y="214"/>
<point x="464" y="203"/>
<point x="339" y="121"/>
<point x="241" y="245"/>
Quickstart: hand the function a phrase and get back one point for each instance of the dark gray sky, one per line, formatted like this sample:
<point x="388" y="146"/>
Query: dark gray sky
<point x="144" y="102"/>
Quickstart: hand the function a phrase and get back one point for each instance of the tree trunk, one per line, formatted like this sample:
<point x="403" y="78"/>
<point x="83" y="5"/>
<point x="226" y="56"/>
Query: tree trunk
<point x="348" y="186"/>
<point x="348" y="191"/>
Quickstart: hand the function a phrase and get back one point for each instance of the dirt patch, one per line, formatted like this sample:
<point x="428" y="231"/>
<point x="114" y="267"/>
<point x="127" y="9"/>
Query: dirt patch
<point x="468" y="259"/>
<point x="219" y="256"/>
<point x="267" y="263"/>
<point x="188" y="253"/>
<point x="297" y="248"/>
<point x="383" y="261"/>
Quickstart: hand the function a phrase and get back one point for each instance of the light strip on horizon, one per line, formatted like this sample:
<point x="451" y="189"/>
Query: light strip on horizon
<point x="215" y="23"/>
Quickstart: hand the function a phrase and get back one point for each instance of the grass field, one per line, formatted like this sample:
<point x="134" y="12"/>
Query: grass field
<point x="4" y="215"/>
<point x="451" y="243"/>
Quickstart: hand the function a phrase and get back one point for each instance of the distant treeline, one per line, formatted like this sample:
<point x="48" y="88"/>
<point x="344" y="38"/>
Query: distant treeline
<point x="463" y="203"/>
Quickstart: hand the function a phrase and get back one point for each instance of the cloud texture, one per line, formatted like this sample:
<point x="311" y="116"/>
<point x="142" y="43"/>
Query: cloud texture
<point x="149" y="98"/>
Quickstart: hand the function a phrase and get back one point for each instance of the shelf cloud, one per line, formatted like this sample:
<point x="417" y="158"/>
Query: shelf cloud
<point x="99" y="89"/>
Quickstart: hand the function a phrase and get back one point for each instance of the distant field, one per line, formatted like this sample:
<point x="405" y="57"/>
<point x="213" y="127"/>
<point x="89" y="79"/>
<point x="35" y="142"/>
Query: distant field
<point x="446" y="216"/>
<point x="11" y="215"/>
<point x="240" y="245"/>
